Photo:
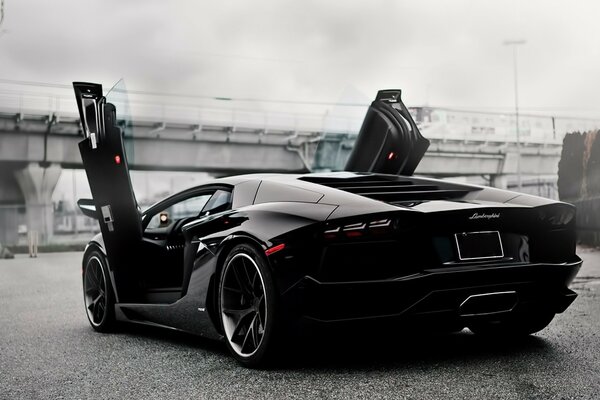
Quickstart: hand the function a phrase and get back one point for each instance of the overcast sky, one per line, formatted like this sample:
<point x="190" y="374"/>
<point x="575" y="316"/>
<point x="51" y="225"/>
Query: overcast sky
<point x="441" y="53"/>
<point x="446" y="53"/>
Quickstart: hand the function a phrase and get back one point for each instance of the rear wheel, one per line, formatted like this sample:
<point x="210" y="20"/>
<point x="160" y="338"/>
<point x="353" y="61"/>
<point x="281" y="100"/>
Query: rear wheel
<point x="98" y="295"/>
<point x="520" y="325"/>
<point x="247" y="306"/>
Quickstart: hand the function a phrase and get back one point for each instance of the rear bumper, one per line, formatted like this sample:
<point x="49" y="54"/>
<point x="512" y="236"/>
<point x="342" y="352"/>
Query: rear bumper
<point x="451" y="293"/>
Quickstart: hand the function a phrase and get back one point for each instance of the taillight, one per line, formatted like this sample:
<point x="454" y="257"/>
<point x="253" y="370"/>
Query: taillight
<point x="331" y="233"/>
<point x="358" y="229"/>
<point x="557" y="215"/>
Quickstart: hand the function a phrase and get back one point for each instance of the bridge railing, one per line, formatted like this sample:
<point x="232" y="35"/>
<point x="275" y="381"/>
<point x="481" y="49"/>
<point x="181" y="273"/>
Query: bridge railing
<point x="232" y="116"/>
<point x="435" y="123"/>
<point x="497" y="127"/>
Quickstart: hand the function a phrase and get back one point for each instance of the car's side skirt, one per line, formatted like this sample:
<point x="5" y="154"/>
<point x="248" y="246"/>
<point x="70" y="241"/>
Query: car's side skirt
<point x="181" y="315"/>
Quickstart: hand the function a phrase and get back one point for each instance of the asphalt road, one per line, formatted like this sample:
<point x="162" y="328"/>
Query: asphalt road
<point x="48" y="350"/>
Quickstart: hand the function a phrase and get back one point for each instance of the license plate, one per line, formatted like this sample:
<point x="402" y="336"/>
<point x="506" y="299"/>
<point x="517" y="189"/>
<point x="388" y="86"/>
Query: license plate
<point x="479" y="245"/>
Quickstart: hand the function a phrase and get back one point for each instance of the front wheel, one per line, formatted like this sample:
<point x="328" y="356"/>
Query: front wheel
<point x="97" y="292"/>
<point x="247" y="306"/>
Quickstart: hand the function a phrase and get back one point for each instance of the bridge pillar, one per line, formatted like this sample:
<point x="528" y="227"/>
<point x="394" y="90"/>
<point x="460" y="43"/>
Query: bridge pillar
<point x="37" y="185"/>
<point x="498" y="181"/>
<point x="12" y="204"/>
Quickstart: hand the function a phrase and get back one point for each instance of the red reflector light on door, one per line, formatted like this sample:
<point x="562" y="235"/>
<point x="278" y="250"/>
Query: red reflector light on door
<point x="274" y="249"/>
<point x="117" y="159"/>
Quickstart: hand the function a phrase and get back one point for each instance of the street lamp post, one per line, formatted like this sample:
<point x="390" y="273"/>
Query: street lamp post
<point x="514" y="44"/>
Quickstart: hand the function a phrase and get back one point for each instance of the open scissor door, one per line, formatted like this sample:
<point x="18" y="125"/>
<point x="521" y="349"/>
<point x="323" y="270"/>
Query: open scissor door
<point x="389" y="141"/>
<point x="105" y="162"/>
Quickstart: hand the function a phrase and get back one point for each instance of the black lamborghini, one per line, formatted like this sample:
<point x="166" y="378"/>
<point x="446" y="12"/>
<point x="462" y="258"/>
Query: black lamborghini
<point x="243" y="258"/>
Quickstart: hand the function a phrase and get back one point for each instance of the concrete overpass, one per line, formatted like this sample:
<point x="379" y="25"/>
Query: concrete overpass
<point x="450" y="157"/>
<point x="225" y="150"/>
<point x="35" y="146"/>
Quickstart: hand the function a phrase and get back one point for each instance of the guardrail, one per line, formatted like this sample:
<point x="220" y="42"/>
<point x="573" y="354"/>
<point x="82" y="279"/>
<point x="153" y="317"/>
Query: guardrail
<point x="181" y="113"/>
<point x="435" y="123"/>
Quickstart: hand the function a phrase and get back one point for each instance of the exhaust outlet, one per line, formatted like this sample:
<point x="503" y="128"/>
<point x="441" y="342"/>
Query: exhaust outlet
<point x="488" y="304"/>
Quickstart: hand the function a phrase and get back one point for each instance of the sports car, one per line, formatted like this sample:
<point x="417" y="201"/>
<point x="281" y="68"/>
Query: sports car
<point x="243" y="258"/>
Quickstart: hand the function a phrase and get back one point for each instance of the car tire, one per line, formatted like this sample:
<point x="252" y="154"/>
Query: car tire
<point x="513" y="326"/>
<point x="98" y="295"/>
<point x="247" y="306"/>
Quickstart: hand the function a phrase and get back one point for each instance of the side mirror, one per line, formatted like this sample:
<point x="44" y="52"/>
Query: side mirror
<point x="88" y="208"/>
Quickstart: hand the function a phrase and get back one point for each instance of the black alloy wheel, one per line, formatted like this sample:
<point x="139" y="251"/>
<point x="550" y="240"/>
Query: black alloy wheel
<point x="97" y="292"/>
<point x="247" y="306"/>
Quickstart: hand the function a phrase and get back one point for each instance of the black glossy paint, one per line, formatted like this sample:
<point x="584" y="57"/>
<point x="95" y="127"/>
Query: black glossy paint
<point x="105" y="164"/>
<point x="357" y="246"/>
